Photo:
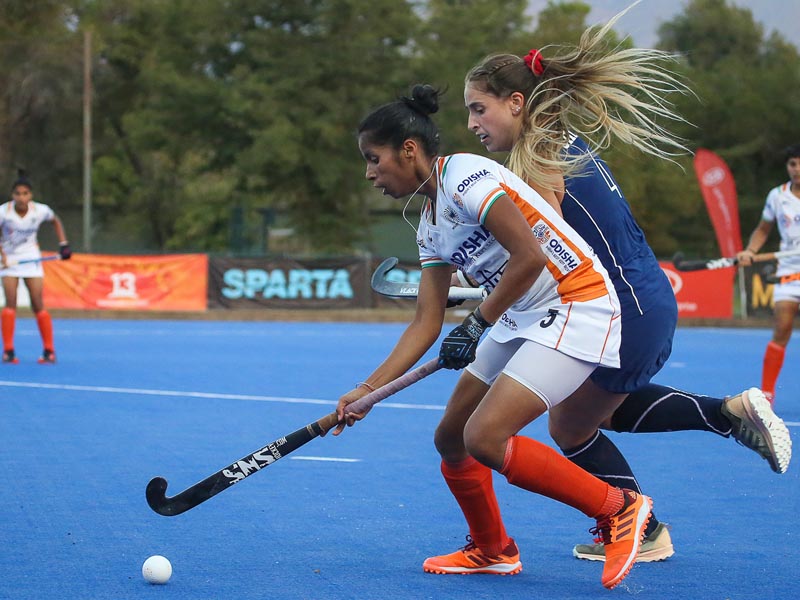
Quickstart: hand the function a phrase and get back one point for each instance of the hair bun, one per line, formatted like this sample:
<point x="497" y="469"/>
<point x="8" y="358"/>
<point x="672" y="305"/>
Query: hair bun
<point x="424" y="99"/>
<point x="22" y="179"/>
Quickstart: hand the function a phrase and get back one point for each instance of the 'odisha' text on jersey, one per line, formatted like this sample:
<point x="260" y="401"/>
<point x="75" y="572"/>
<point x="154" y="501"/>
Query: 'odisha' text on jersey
<point x="468" y="186"/>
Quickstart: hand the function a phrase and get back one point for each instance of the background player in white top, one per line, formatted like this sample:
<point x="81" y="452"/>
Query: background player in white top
<point x="782" y="206"/>
<point x="20" y="220"/>
<point x="556" y="317"/>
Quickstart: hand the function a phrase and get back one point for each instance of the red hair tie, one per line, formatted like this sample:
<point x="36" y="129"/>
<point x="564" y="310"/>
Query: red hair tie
<point x="534" y="62"/>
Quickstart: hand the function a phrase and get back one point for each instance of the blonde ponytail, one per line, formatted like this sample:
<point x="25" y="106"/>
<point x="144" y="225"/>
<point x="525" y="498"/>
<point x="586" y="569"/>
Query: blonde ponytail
<point x="587" y="90"/>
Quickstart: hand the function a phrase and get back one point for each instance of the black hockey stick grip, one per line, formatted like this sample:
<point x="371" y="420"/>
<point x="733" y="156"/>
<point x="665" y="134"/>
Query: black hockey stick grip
<point x="701" y="264"/>
<point x="156" y="492"/>
<point x="682" y="264"/>
<point x="782" y="278"/>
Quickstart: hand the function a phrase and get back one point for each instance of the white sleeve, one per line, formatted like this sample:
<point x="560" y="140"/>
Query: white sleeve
<point x="48" y="213"/>
<point x="768" y="214"/>
<point x="473" y="185"/>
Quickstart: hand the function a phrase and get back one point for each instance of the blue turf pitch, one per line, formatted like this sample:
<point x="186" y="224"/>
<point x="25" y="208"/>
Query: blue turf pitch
<point x="347" y="517"/>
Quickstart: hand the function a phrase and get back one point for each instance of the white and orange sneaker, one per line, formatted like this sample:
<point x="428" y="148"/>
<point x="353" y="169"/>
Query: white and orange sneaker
<point x="471" y="559"/>
<point x="622" y="536"/>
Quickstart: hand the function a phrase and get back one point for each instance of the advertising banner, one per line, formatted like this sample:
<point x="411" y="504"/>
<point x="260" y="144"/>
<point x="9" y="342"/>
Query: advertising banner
<point x="289" y="283"/>
<point x="702" y="294"/>
<point x="719" y="193"/>
<point x="759" y="291"/>
<point x="97" y="281"/>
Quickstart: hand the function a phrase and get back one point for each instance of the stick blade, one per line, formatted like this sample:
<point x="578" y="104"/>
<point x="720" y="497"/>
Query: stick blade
<point x="380" y="273"/>
<point x="156" y="494"/>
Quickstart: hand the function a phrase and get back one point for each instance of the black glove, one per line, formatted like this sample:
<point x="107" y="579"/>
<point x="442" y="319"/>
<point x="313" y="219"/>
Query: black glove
<point x="63" y="251"/>
<point x="458" y="348"/>
<point x="454" y="303"/>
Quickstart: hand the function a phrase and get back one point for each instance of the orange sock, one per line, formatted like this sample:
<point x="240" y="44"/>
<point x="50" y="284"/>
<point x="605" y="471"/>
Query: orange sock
<point x="471" y="484"/>
<point x="773" y="361"/>
<point x="45" y="329"/>
<point x="8" y="318"/>
<point x="538" y="468"/>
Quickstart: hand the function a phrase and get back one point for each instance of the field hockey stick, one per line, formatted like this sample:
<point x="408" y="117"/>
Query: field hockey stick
<point x="397" y="289"/>
<point x="711" y="264"/>
<point x="14" y="263"/>
<point x="782" y="278"/>
<point x="263" y="457"/>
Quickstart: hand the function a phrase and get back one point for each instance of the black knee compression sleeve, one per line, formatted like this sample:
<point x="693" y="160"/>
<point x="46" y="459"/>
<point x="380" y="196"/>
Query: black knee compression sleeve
<point x="658" y="408"/>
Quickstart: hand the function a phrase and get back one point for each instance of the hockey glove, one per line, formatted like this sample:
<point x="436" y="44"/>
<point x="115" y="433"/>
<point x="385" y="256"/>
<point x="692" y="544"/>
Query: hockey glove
<point x="64" y="251"/>
<point x="458" y="348"/>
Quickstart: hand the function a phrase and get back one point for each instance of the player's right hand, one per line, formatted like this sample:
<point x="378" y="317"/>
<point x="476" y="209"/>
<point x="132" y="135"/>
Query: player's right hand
<point x="345" y="418"/>
<point x="745" y="258"/>
<point x="64" y="251"/>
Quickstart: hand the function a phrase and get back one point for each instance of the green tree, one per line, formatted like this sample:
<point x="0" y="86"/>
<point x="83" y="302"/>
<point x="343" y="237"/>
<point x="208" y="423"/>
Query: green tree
<point x="454" y="36"/>
<point x="208" y="113"/>
<point x="40" y="99"/>
<point x="160" y="125"/>
<point x="560" y="23"/>
<point x="743" y="81"/>
<point x="303" y="76"/>
<point x="243" y="105"/>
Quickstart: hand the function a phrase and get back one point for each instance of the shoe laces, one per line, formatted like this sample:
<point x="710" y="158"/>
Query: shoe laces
<point x="470" y="544"/>
<point x="602" y="532"/>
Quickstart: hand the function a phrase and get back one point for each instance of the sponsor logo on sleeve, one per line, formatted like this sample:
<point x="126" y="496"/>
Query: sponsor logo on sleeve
<point x="555" y="248"/>
<point x="471" y="180"/>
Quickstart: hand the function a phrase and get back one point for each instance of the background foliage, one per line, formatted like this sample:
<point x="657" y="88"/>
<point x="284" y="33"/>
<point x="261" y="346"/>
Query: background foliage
<point x="218" y="123"/>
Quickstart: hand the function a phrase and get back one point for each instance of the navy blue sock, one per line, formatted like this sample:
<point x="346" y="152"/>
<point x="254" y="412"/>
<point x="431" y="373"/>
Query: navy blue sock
<point x="600" y="457"/>
<point x="658" y="408"/>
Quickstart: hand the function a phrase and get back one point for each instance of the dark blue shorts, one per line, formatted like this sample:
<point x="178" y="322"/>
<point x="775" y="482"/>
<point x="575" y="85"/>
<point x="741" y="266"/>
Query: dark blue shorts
<point x="645" y="346"/>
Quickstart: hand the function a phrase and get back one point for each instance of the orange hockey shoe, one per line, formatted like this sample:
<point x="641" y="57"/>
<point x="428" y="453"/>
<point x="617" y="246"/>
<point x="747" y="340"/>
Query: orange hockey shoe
<point x="622" y="536"/>
<point x="471" y="559"/>
<point x="48" y="357"/>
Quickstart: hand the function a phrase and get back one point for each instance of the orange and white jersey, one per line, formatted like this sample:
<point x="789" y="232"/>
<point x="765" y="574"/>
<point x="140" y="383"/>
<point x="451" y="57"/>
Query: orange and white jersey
<point x="571" y="307"/>
<point x="18" y="234"/>
<point x="783" y="207"/>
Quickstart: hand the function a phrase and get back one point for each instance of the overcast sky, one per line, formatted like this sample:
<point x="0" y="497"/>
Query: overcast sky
<point x="642" y="22"/>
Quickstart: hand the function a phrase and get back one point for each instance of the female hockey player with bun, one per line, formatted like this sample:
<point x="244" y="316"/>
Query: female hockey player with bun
<point x="552" y="309"/>
<point x="20" y="258"/>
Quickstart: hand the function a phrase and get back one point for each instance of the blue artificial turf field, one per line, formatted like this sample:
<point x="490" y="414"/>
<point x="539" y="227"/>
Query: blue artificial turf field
<point x="346" y="517"/>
